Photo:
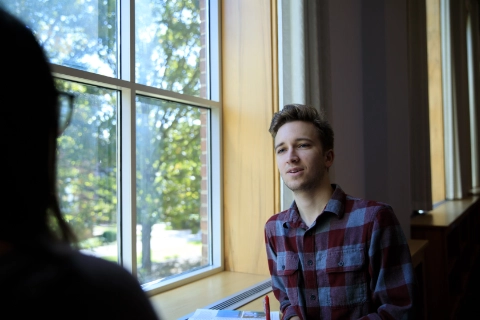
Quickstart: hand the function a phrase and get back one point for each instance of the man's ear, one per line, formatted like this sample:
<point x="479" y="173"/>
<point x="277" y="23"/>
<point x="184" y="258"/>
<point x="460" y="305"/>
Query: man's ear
<point x="329" y="156"/>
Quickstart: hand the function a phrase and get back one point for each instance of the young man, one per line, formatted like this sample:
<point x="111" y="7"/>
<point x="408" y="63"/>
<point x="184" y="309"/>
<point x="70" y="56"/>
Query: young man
<point x="330" y="255"/>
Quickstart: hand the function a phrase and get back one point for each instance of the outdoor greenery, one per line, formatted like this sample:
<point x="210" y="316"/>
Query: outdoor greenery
<point x="84" y="34"/>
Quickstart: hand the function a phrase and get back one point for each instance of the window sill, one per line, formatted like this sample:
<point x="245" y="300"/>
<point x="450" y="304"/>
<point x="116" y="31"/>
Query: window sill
<point x="446" y="214"/>
<point x="184" y="300"/>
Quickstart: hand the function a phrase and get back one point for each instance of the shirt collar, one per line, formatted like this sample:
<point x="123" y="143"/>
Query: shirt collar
<point x="335" y="205"/>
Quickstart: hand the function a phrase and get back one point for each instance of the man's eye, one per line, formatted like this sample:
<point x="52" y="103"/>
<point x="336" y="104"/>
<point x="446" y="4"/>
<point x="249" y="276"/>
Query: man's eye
<point x="303" y="145"/>
<point x="280" y="151"/>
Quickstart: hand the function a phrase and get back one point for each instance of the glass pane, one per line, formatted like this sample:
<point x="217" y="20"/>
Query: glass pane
<point x="172" y="188"/>
<point x="77" y="34"/>
<point x="87" y="168"/>
<point x="171" y="44"/>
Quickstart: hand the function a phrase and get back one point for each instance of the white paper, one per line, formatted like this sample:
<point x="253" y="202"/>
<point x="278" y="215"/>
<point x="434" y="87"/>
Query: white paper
<point x="209" y="314"/>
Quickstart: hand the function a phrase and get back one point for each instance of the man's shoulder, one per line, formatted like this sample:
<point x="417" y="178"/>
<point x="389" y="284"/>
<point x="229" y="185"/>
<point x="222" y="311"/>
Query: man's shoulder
<point x="362" y="202"/>
<point x="359" y="211"/>
<point x="357" y="202"/>
<point x="276" y="220"/>
<point x="368" y="206"/>
<point x="280" y="216"/>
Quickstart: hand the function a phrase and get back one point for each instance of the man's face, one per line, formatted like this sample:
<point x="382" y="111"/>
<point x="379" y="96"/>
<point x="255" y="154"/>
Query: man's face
<point x="300" y="157"/>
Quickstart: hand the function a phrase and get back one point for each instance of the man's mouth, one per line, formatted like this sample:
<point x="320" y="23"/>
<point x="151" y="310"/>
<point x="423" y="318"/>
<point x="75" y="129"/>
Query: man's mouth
<point x="295" y="170"/>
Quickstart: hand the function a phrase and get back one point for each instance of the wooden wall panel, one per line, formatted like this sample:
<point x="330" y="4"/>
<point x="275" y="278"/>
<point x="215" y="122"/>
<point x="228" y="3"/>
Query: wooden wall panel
<point x="435" y="100"/>
<point x="249" y="101"/>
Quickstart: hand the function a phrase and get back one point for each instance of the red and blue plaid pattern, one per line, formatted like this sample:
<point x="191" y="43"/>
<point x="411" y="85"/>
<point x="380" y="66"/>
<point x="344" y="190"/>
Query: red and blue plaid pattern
<point x="353" y="262"/>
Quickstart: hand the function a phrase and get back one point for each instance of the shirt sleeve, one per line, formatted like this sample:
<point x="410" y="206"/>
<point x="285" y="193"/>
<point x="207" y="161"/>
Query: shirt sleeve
<point x="278" y="286"/>
<point x="393" y="284"/>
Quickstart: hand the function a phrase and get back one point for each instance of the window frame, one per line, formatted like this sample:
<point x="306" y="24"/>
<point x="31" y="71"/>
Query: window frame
<point x="128" y="89"/>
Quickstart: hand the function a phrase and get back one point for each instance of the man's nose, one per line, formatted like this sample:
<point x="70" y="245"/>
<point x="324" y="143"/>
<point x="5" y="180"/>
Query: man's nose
<point x="292" y="156"/>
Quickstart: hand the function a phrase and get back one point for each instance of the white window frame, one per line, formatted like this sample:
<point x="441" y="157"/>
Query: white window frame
<point x="126" y="150"/>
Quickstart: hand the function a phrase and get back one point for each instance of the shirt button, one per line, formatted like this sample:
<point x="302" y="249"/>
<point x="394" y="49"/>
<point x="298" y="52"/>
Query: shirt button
<point x="341" y="263"/>
<point x="310" y="262"/>
<point x="313" y="297"/>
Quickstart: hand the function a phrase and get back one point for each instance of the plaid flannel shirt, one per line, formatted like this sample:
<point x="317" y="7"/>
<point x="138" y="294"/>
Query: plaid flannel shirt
<point x="353" y="262"/>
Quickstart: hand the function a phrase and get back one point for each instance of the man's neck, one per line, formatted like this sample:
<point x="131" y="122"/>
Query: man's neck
<point x="311" y="203"/>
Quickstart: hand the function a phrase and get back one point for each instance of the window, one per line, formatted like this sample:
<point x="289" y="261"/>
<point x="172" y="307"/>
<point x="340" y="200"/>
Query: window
<point x="452" y="83"/>
<point x="139" y="166"/>
<point x="472" y="103"/>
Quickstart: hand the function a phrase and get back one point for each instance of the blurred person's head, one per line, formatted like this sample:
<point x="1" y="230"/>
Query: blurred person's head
<point x="28" y="130"/>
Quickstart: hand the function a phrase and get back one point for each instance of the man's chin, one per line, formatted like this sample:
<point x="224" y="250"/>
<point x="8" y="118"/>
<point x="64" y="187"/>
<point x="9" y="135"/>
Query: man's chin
<point x="294" y="186"/>
<point x="297" y="187"/>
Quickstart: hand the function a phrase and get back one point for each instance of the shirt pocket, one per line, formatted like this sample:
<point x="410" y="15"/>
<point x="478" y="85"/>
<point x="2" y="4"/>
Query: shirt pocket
<point x="287" y="263"/>
<point x="288" y="273"/>
<point x="347" y="277"/>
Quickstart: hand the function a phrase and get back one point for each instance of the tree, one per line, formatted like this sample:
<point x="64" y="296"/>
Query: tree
<point x="84" y="35"/>
<point x="87" y="165"/>
<point x="168" y="179"/>
<point x="168" y="168"/>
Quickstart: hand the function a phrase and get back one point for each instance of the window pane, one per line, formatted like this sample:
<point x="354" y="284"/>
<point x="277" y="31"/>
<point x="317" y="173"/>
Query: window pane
<point x="172" y="175"/>
<point x="172" y="188"/>
<point x="87" y="168"/>
<point x="77" y="34"/>
<point x="171" y="45"/>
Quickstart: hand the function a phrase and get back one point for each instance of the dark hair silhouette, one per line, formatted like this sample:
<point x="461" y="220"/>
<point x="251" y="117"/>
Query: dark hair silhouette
<point x="30" y="213"/>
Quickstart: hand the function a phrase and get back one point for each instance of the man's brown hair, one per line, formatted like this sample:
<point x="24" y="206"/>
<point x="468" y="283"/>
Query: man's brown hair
<point x="301" y="112"/>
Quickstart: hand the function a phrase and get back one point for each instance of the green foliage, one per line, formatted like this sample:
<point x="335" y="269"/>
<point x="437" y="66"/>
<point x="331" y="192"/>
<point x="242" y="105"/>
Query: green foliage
<point x="167" y="268"/>
<point x="91" y="243"/>
<point x="74" y="33"/>
<point x="86" y="158"/>
<point x="168" y="164"/>
<point x="109" y="236"/>
<point x="83" y="35"/>
<point x="171" y="57"/>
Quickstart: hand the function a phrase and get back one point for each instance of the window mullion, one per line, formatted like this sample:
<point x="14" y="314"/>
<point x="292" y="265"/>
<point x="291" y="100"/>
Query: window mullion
<point x="127" y="137"/>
